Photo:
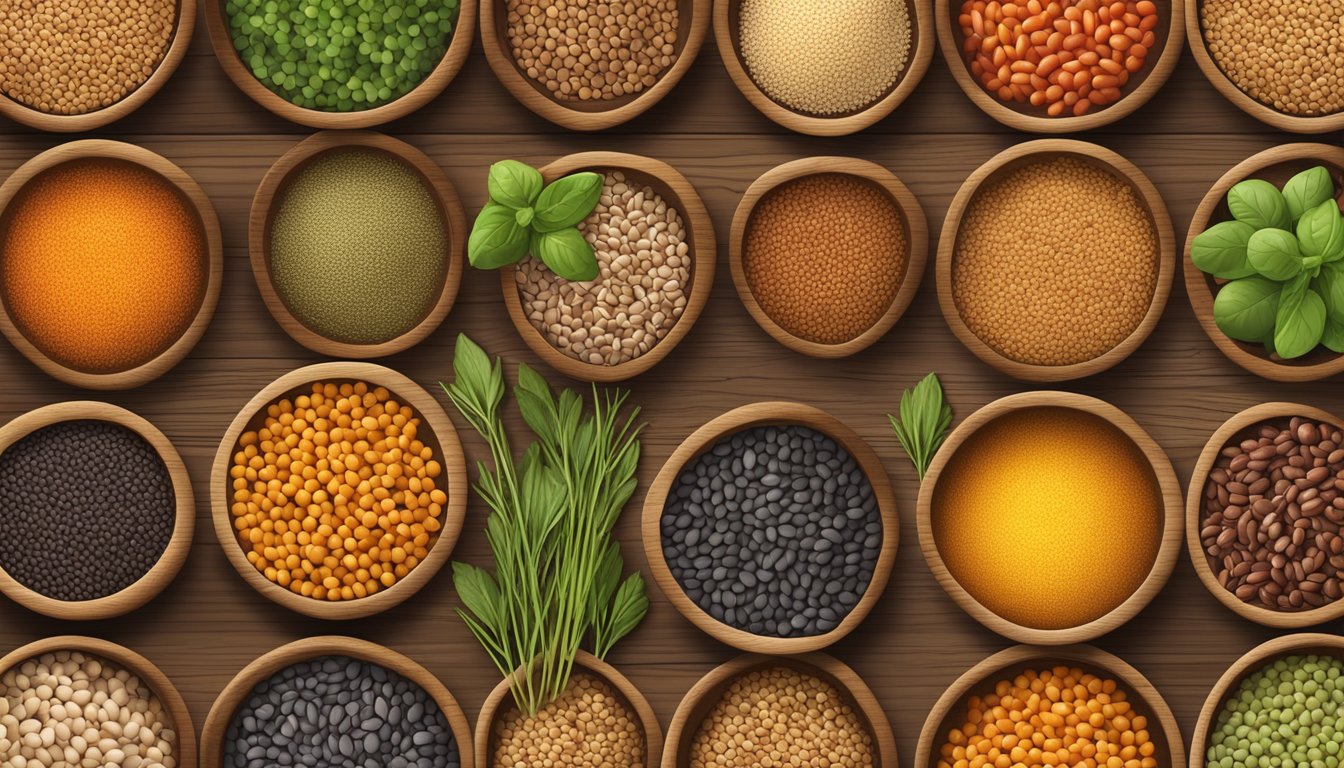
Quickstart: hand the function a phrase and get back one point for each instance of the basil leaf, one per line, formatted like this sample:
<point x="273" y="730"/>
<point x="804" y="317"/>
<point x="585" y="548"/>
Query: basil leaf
<point x="1274" y="254"/>
<point x="568" y="201"/>
<point x="1330" y="284"/>
<point x="514" y="184"/>
<point x="1244" y="309"/>
<point x="1307" y="190"/>
<point x="1220" y="250"/>
<point x="1321" y="231"/>
<point x="496" y="238"/>
<point x="1260" y="204"/>
<point x="566" y="253"/>
<point x="1299" y="323"/>
<point x="1333" y="338"/>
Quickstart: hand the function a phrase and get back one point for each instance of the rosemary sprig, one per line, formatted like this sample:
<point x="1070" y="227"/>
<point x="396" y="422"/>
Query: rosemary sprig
<point x="924" y="421"/>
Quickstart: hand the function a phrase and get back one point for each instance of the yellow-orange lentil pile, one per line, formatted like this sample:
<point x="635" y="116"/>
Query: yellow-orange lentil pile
<point x="1060" y="716"/>
<point x="1286" y="54"/>
<point x="335" y="496"/>
<point x="1056" y="262"/>
<point x="586" y="726"/>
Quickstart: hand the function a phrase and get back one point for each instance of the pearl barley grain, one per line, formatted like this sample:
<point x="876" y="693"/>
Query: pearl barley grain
<point x="1285" y="54"/>
<point x="586" y="726"/>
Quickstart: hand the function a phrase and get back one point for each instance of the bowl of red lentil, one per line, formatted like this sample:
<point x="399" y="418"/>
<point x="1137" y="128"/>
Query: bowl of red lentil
<point x="588" y="67"/>
<point x="827" y="253"/>
<point x="1061" y="66"/>
<point x="111" y="262"/>
<point x="360" y="535"/>
<point x="650" y="289"/>
<point x="1026" y="294"/>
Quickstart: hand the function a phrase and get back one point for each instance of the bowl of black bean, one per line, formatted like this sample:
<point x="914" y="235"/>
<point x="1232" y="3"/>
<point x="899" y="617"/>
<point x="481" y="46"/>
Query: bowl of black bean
<point x="773" y="528"/>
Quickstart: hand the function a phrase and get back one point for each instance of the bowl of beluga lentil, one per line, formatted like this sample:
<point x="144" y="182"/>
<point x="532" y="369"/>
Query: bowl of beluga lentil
<point x="356" y="244"/>
<point x="96" y="511"/>
<point x="772" y="528"/>
<point x="335" y="701"/>
<point x="654" y="244"/>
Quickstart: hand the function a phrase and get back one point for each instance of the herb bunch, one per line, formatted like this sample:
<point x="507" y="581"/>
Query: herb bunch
<point x="524" y="215"/>
<point x="923" y="423"/>
<point x="557" y="580"/>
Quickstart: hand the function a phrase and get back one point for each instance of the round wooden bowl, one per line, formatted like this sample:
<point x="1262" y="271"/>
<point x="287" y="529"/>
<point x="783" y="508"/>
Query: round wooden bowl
<point x="949" y="711"/>
<point x="190" y="191"/>
<point x="184" y="524"/>
<point x="277" y="181"/>
<point x="240" y="688"/>
<point x="221" y="39"/>
<point x="1159" y="64"/>
<point x="500" y="703"/>
<point x="1275" y="165"/>
<point x="728" y="33"/>
<point x="1254" y="659"/>
<point x="1168" y="549"/>
<point x="693" y="24"/>
<point x="912" y="220"/>
<point x="1236" y="428"/>
<point x="726" y="425"/>
<point x="678" y="193"/>
<point x="436" y="431"/>
<point x="173" y="705"/>
<point x="698" y="702"/>
<point x="1010" y="160"/>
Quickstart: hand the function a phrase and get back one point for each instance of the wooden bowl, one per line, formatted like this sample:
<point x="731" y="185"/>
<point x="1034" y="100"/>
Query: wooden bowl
<point x="221" y="39"/>
<point x="702" y="440"/>
<point x="240" y="688"/>
<point x="1168" y="548"/>
<point x="1275" y="165"/>
<point x="948" y="712"/>
<point x="276" y="182"/>
<point x="173" y="705"/>
<point x="1235" y="428"/>
<point x="727" y="34"/>
<point x="912" y="220"/>
<point x="500" y="702"/>
<point x="114" y="150"/>
<point x="184" y="524"/>
<point x="1010" y="160"/>
<point x="436" y="431"/>
<point x="1159" y="64"/>
<point x="696" y="705"/>
<point x="693" y="24"/>
<point x="1254" y="659"/>
<point x="699" y="236"/>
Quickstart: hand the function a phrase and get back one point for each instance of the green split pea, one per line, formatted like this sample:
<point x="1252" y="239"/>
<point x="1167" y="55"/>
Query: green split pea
<point x="1288" y="714"/>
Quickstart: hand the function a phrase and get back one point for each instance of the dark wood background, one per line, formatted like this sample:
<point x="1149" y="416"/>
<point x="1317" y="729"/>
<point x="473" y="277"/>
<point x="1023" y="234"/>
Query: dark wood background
<point x="209" y="623"/>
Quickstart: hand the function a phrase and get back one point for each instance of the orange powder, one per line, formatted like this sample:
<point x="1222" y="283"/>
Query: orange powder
<point x="104" y="264"/>
<point x="1048" y="517"/>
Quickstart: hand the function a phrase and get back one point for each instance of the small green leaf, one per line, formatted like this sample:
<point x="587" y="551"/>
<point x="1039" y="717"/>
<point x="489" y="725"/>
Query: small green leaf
<point x="567" y="201"/>
<point x="1330" y="284"/>
<point x="1260" y="204"/>
<point x="1220" y="250"/>
<point x="1307" y="190"/>
<point x="479" y="593"/>
<point x="1274" y="254"/>
<point x="496" y="239"/>
<point x="514" y="184"/>
<point x="1244" y="309"/>
<point x="924" y="420"/>
<point x="1321" y="231"/>
<point x="1299" y="323"/>
<point x="566" y="253"/>
<point x="524" y="216"/>
<point x="1333" y="338"/>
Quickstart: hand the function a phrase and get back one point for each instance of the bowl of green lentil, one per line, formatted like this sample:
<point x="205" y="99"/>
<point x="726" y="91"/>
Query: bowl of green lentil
<point x="324" y="64"/>
<point x="356" y="242"/>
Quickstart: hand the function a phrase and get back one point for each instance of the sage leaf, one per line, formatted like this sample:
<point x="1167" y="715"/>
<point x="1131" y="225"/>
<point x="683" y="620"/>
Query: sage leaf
<point x="1244" y="309"/>
<point x="1260" y="204"/>
<point x="1333" y="338"/>
<point x="497" y="239"/>
<point x="566" y="253"/>
<point x="1307" y="190"/>
<point x="1220" y="250"/>
<point x="514" y="184"/>
<point x="1274" y="254"/>
<point x="1321" y="231"/>
<point x="1299" y="323"/>
<point x="567" y="201"/>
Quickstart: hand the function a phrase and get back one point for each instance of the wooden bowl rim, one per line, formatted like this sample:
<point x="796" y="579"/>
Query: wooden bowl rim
<point x="506" y="71"/>
<point x="1022" y="154"/>
<point x="738" y="419"/>
<point x="1169" y="52"/>
<point x="1173" y="525"/>
<point x="159" y="683"/>
<point x="1194" y="511"/>
<point x="433" y="84"/>
<point x="432" y="417"/>
<point x="102" y="149"/>
<point x="1018" y="657"/>
<point x="1197" y="283"/>
<point x="499" y="701"/>
<point x="263" y="667"/>
<point x="676" y="192"/>
<point x="917" y="248"/>
<point x="710" y="688"/>
<point x="179" y="41"/>
<point x="445" y="199"/>
<point x="922" y="44"/>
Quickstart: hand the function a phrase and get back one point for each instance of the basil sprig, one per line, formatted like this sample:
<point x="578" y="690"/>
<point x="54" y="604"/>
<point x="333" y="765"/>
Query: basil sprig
<point x="525" y="215"/>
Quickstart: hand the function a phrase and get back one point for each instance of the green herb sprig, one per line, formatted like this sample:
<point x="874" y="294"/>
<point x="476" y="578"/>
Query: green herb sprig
<point x="524" y="215"/>
<point x="924" y="421"/>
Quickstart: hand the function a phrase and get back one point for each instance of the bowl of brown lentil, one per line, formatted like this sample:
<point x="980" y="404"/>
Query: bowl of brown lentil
<point x="825" y="69"/>
<point x="826" y="706"/>
<point x="590" y="67"/>
<point x="656" y="257"/>
<point x="356" y="242"/>
<point x="837" y="294"/>
<point x="361" y="535"/>
<point x="1059" y="297"/>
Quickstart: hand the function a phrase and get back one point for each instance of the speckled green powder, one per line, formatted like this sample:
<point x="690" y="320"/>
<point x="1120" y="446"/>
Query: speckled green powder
<point x="358" y="247"/>
<point x="1288" y="714"/>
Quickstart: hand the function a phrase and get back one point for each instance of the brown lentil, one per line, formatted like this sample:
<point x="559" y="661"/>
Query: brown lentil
<point x="1273" y="512"/>
<point x="1056" y="262"/>
<point x="587" y="726"/>
<point x="1285" y="54"/>
<point x="825" y="255"/>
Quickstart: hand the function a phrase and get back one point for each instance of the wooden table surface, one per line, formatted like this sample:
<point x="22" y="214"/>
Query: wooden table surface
<point x="209" y="623"/>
